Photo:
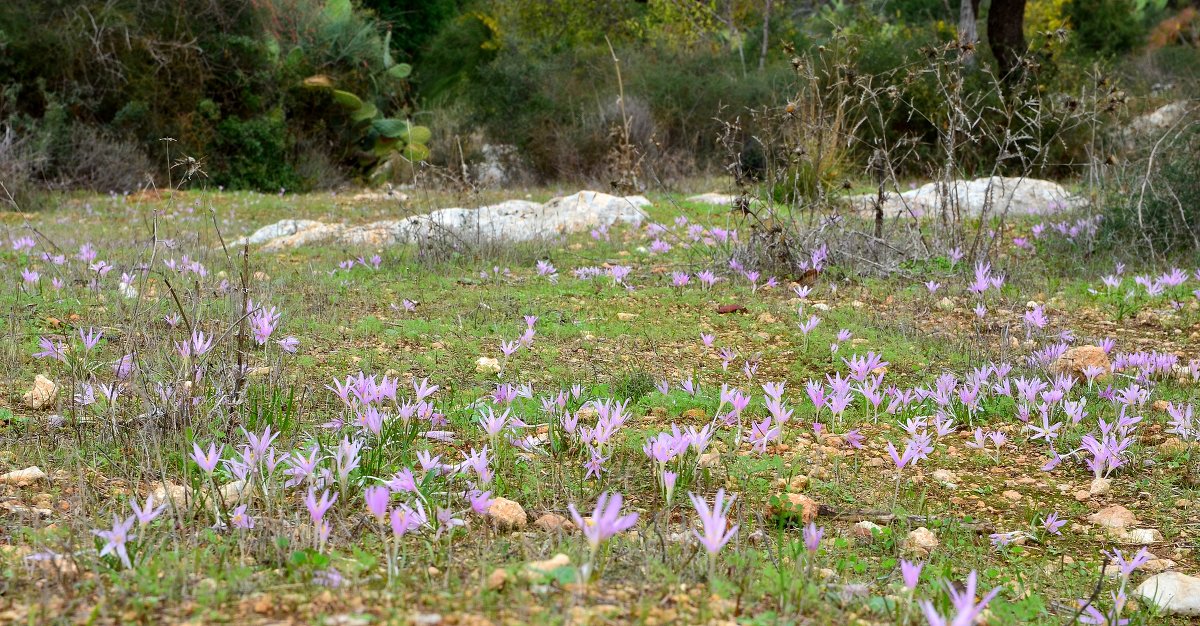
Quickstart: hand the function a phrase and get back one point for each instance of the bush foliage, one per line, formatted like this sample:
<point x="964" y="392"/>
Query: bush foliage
<point x="222" y="78"/>
<point x="298" y="94"/>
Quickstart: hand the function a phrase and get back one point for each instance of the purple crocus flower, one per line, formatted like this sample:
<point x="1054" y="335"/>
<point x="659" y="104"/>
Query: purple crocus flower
<point x="808" y="326"/>
<point x="1127" y="566"/>
<point x="302" y="467"/>
<point x="963" y="600"/>
<point x="90" y="338"/>
<point x="595" y="463"/>
<point x="403" y="481"/>
<point x="405" y="519"/>
<point x="901" y="460"/>
<point x="317" y="508"/>
<point x="206" y="460"/>
<point x="713" y="522"/>
<point x="115" y="539"/>
<point x="480" y="501"/>
<point x="146" y="514"/>
<point x="911" y="573"/>
<point x="240" y="519"/>
<point x="1052" y="523"/>
<point x="812" y="537"/>
<point x="377" y="498"/>
<point x="606" y="520"/>
<point x="56" y="350"/>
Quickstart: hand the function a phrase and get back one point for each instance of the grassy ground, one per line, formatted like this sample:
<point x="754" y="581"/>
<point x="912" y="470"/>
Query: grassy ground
<point x="611" y="341"/>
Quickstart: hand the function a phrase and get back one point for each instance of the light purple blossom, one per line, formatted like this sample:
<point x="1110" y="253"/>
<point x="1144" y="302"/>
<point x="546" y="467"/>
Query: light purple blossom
<point x="606" y="520"/>
<point x="115" y="539"/>
<point x="713" y="522"/>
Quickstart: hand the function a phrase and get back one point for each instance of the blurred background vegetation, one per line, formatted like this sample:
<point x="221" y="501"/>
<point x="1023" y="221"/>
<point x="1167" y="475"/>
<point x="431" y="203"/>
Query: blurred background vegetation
<point x="312" y="94"/>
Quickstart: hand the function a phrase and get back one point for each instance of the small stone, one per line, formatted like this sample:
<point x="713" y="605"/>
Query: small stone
<point x="179" y="496"/>
<point x="793" y="504"/>
<point x="1143" y="536"/>
<point x="497" y="579"/>
<point x="709" y="460"/>
<point x="416" y="619"/>
<point x="1172" y="446"/>
<point x="627" y="317"/>
<point x="233" y="492"/>
<point x="535" y="570"/>
<point x="22" y="510"/>
<point x="767" y="318"/>
<point x="259" y="372"/>
<point x="1155" y="566"/>
<point x="1100" y="486"/>
<point x="921" y="541"/>
<point x="1011" y="495"/>
<point x="1172" y="592"/>
<point x="946" y="304"/>
<point x="821" y="306"/>
<point x="507" y="514"/>
<point x="23" y="477"/>
<point x="264" y="604"/>
<point x="346" y="619"/>
<point x="1115" y="517"/>
<point x="946" y="477"/>
<point x="798" y="482"/>
<point x="487" y="365"/>
<point x="1077" y="359"/>
<point x="866" y="529"/>
<point x="553" y="522"/>
<point x="43" y="393"/>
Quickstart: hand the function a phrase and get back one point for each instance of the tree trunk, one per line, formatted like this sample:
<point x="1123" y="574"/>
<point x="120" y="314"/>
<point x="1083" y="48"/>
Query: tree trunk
<point x="1006" y="35"/>
<point x="968" y="34"/>
<point x="766" y="37"/>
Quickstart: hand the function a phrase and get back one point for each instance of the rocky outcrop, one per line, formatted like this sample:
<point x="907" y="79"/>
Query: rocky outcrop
<point x="998" y="194"/>
<point x="513" y="221"/>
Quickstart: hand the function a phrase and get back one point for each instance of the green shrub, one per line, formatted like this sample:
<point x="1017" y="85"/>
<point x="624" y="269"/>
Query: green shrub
<point x="455" y="55"/>
<point x="1161" y="213"/>
<point x="252" y="154"/>
<point x="561" y="109"/>
<point x="1106" y="27"/>
<point x="200" y="73"/>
